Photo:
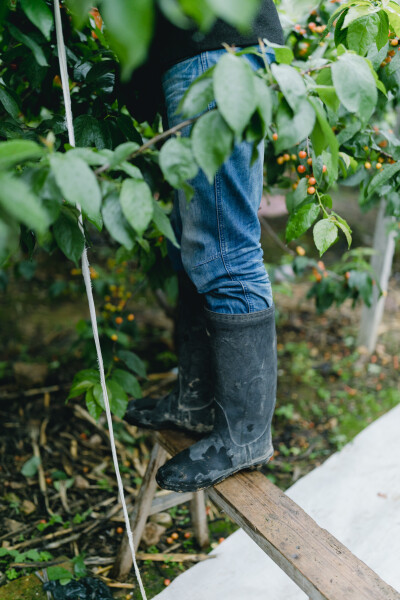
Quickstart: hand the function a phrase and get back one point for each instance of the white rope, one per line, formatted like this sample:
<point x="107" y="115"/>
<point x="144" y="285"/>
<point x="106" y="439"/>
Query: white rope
<point x="89" y="291"/>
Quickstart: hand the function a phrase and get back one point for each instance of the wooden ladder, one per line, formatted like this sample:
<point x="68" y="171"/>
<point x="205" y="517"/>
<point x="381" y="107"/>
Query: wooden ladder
<point x="316" y="561"/>
<point x="148" y="504"/>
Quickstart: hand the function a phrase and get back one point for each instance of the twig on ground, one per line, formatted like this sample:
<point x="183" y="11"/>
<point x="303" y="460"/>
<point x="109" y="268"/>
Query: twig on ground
<point x="33" y="392"/>
<point x="174" y="557"/>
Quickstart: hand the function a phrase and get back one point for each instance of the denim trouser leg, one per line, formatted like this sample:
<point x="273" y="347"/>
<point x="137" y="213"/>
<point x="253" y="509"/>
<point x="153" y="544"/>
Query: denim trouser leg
<point x="219" y="230"/>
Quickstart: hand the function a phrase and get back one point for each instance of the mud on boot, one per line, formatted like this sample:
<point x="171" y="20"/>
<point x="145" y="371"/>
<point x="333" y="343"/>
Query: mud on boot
<point x="243" y="350"/>
<point x="189" y="406"/>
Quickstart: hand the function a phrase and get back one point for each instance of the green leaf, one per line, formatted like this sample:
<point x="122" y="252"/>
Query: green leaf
<point x="69" y="236"/>
<point x="93" y="408"/>
<point x="14" y="152"/>
<point x="326" y="200"/>
<point x="363" y="33"/>
<point x="295" y="198"/>
<point x="80" y="10"/>
<point x="361" y="281"/>
<point x="361" y="96"/>
<point x="58" y="573"/>
<point x="9" y="102"/>
<point x="9" y="239"/>
<point x="283" y="54"/>
<point x="212" y="142"/>
<point x="348" y="132"/>
<point x="383" y="30"/>
<point x="301" y="220"/>
<point x="137" y="204"/>
<point x="19" y="202"/>
<point x="83" y="380"/>
<point x="89" y="155"/>
<point x="295" y="11"/>
<point x="327" y="93"/>
<point x="293" y="127"/>
<point x="122" y="338"/>
<point x="347" y="232"/>
<point x="30" y="43"/>
<point x="128" y="382"/>
<point x="98" y="395"/>
<point x="328" y="140"/>
<point x="177" y="161"/>
<point x="356" y="13"/>
<point x="340" y="35"/>
<point x="77" y="182"/>
<point x="131" y="170"/>
<point x="291" y="84"/>
<point x="80" y="569"/>
<point x="163" y="223"/>
<point x="30" y="468"/>
<point x="325" y="234"/>
<point x="264" y="103"/>
<point x="39" y="13"/>
<point x="235" y="91"/>
<point x="197" y="98"/>
<point x="130" y="28"/>
<point x="119" y="399"/>
<point x="394" y="17"/>
<point x="199" y="11"/>
<point x="133" y="362"/>
<point x="384" y="175"/>
<point x="89" y="131"/>
<point x="123" y="152"/>
<point x="116" y="223"/>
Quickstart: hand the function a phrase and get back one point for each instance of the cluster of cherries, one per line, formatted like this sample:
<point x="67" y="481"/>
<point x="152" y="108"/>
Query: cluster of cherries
<point x="395" y="43"/>
<point x="301" y="168"/>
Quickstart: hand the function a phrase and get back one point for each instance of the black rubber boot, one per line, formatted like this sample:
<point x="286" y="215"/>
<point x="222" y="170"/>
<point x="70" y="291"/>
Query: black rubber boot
<point x="189" y="406"/>
<point x="243" y="349"/>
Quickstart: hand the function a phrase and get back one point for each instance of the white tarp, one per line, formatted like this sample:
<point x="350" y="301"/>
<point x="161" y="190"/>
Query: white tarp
<point x="355" y="495"/>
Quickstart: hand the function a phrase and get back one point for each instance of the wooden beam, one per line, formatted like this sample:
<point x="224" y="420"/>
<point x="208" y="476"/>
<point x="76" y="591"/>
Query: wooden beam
<point x="163" y="503"/>
<point x="316" y="561"/>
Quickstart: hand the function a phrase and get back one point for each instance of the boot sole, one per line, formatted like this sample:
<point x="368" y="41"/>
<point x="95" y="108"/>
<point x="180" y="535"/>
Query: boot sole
<point x="169" y="426"/>
<point x="182" y="490"/>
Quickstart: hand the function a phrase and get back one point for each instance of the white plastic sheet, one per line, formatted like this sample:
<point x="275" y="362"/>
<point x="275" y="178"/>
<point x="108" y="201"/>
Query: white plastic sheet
<point x="355" y="495"/>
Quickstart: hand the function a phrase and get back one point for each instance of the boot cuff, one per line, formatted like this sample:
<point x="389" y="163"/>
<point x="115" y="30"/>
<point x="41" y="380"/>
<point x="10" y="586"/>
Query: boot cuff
<point x="244" y="318"/>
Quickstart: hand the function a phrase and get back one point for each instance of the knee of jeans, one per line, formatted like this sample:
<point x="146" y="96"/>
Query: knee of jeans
<point x="216" y="272"/>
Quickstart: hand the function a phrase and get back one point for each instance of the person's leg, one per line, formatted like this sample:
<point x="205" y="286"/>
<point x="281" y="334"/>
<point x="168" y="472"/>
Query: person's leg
<point x="218" y="229"/>
<point x="189" y="406"/>
<point x="220" y="250"/>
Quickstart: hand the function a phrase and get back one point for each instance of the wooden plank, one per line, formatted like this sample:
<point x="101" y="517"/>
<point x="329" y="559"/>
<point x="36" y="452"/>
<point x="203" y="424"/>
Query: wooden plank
<point x="168" y="501"/>
<point x="123" y="562"/>
<point x="199" y="519"/>
<point x="316" y="561"/>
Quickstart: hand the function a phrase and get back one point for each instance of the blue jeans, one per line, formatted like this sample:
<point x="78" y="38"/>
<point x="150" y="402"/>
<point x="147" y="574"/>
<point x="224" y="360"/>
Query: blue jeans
<point x="218" y="230"/>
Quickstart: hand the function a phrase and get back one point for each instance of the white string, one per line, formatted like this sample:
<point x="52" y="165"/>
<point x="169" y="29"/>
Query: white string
<point x="89" y="291"/>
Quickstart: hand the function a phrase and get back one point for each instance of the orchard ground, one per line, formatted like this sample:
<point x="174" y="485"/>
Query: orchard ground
<point x="329" y="390"/>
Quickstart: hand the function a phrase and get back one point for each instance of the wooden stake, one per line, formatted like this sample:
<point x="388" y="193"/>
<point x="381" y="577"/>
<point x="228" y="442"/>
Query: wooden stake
<point x="141" y="511"/>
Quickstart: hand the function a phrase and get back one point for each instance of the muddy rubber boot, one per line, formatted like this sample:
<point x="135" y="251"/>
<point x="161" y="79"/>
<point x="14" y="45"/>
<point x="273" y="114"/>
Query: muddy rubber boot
<point x="243" y="350"/>
<point x="189" y="407"/>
